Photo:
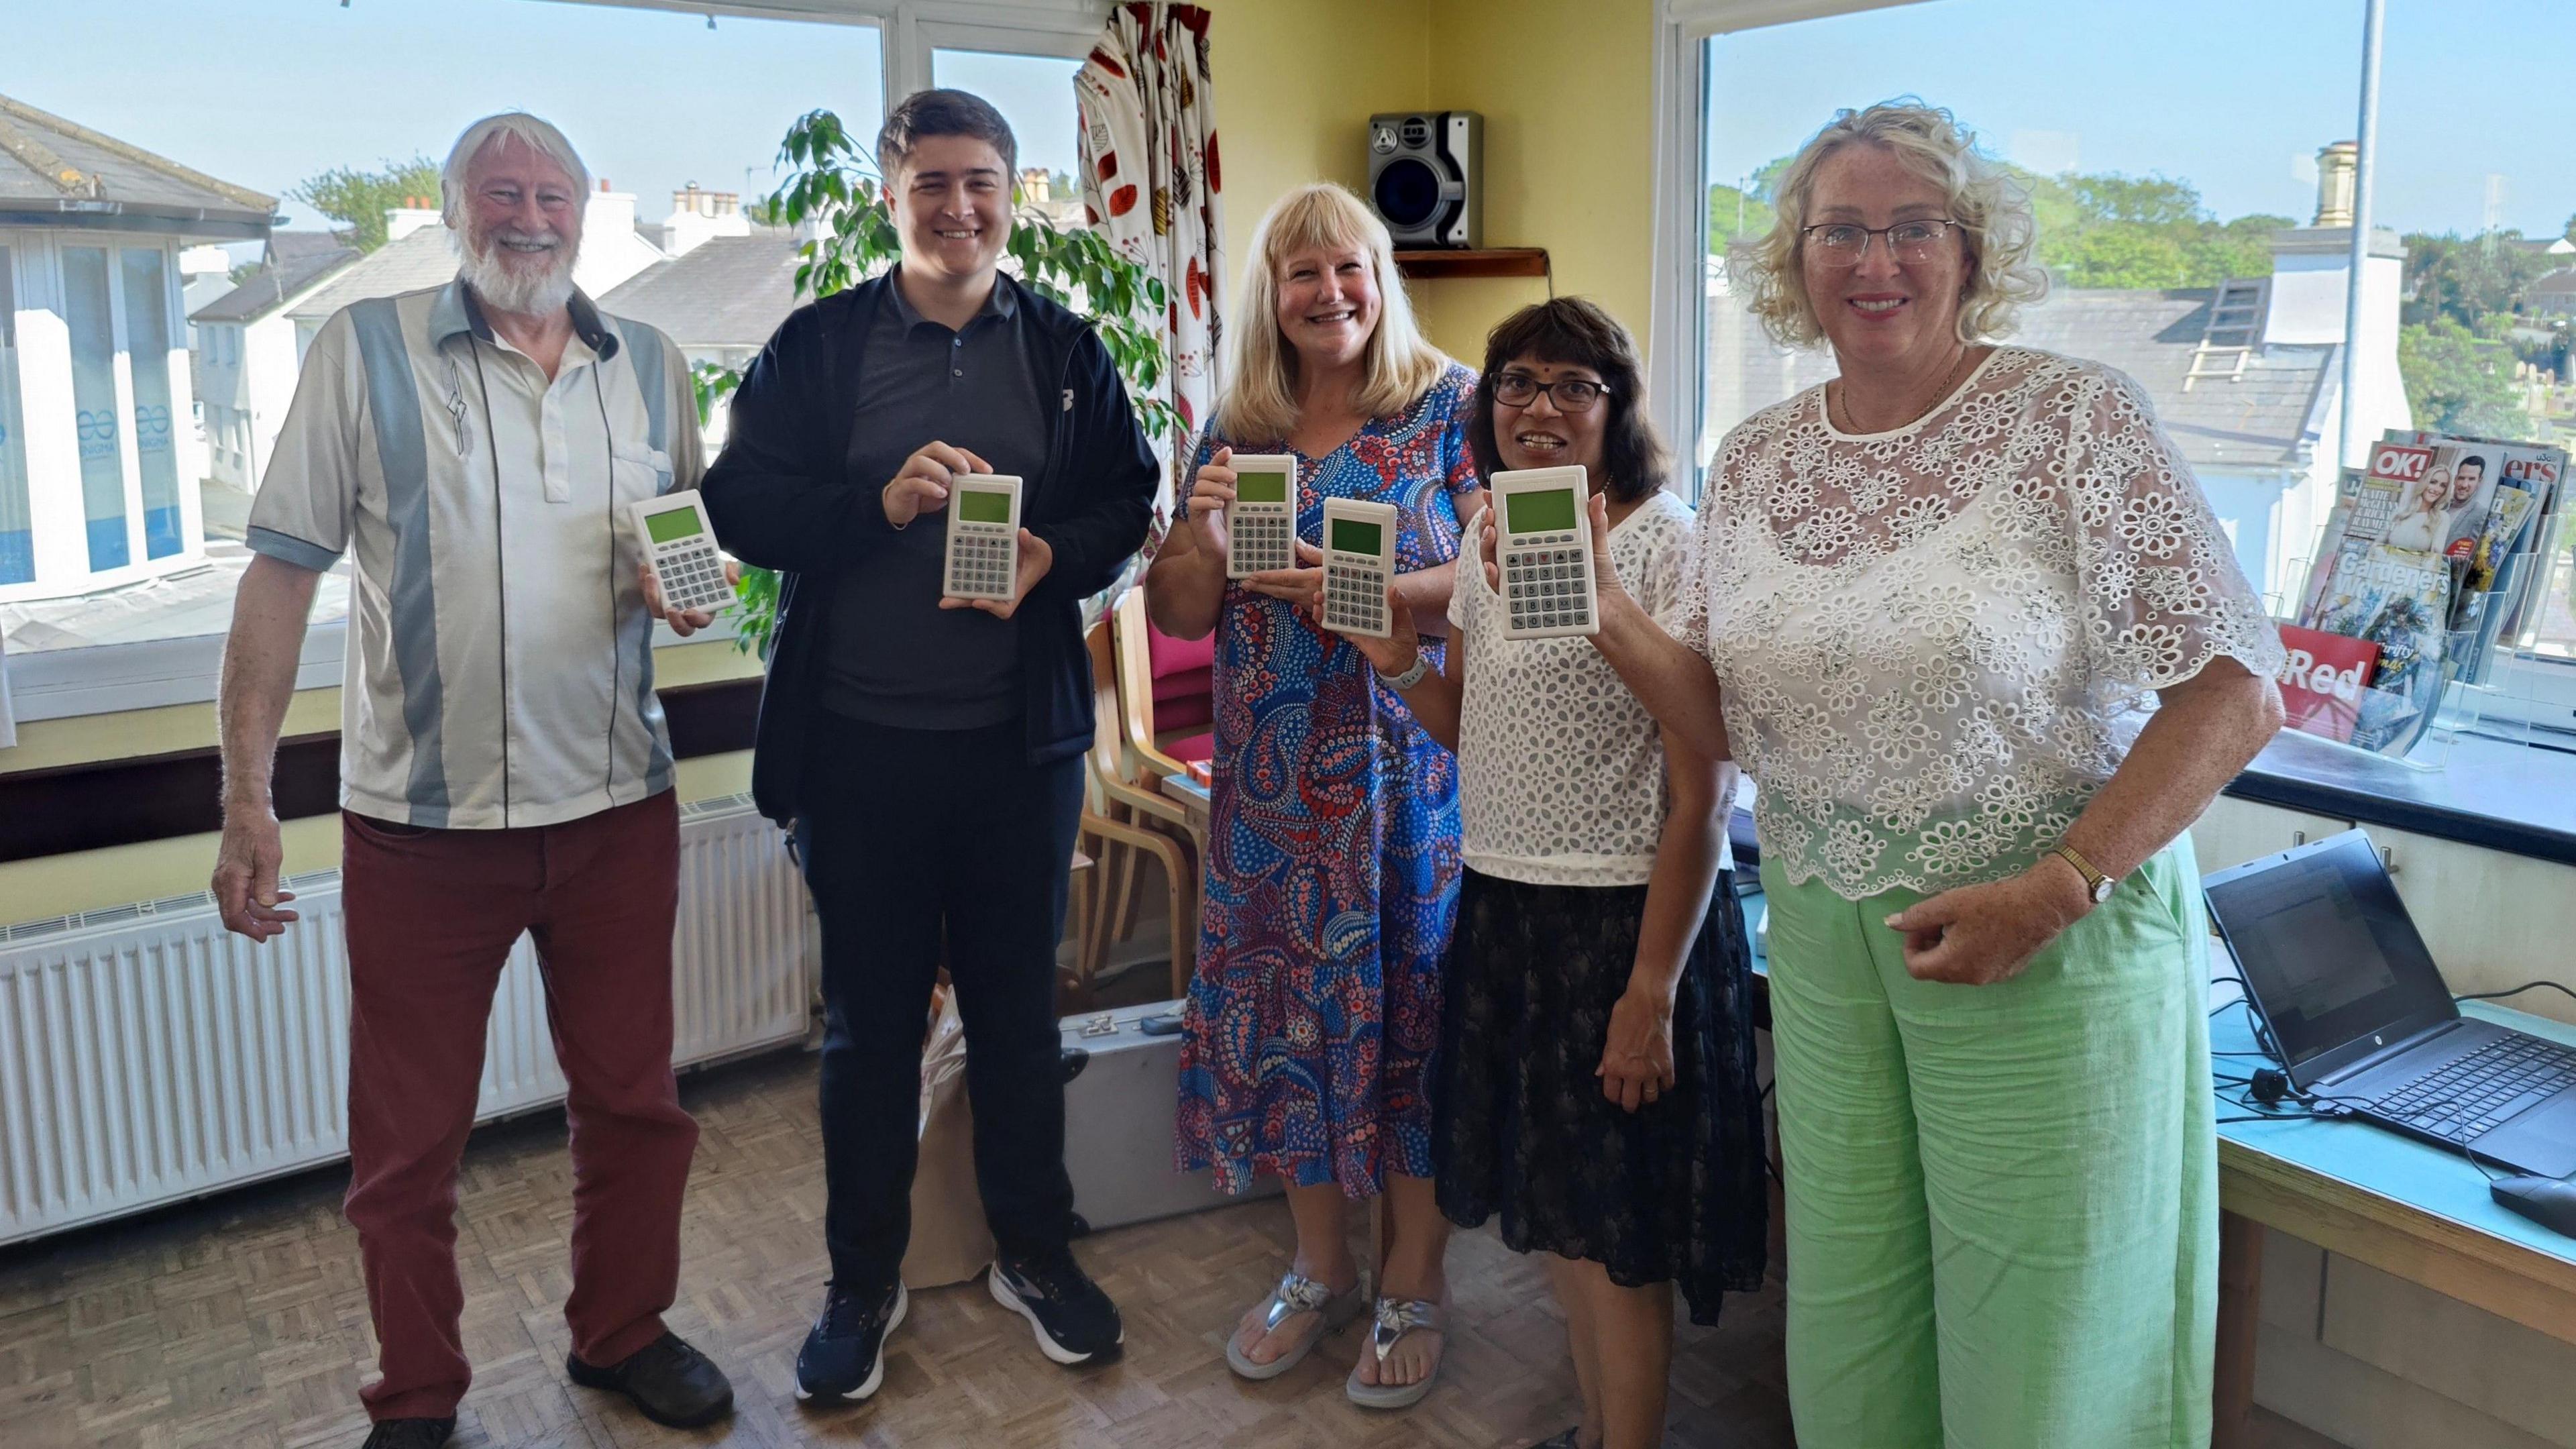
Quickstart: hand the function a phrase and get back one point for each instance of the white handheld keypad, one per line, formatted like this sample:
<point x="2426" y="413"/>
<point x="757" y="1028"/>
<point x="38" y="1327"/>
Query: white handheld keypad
<point x="680" y="546"/>
<point x="1261" y="526"/>
<point x="983" y="536"/>
<point x="1545" y="544"/>
<point x="1359" y="564"/>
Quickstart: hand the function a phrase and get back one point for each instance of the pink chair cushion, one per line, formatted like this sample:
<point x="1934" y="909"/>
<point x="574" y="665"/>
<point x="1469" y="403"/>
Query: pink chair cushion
<point x="1177" y="656"/>
<point x="1191" y="748"/>
<point x="1194" y="712"/>
<point x="1183" y="682"/>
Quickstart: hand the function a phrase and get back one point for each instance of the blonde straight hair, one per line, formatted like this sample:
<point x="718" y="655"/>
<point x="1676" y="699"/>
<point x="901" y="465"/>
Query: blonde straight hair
<point x="1260" y="406"/>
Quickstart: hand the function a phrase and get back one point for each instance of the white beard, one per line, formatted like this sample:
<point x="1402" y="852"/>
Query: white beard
<point x="503" y="287"/>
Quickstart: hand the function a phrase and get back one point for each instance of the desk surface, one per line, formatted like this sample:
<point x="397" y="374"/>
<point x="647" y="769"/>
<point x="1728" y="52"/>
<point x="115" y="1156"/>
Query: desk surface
<point x="2408" y="1207"/>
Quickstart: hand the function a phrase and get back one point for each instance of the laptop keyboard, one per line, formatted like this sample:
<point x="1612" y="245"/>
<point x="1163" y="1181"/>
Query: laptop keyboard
<point x="2468" y="1098"/>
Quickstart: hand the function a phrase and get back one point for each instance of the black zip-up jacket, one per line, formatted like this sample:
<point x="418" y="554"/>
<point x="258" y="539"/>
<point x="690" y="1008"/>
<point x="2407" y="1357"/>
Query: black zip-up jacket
<point x="785" y="495"/>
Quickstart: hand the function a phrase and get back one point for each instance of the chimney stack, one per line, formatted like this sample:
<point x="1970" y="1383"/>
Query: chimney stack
<point x="2336" y="165"/>
<point x="415" y="212"/>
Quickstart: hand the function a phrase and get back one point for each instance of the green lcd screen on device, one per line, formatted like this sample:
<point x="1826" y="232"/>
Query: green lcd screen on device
<point x="982" y="505"/>
<point x="672" y="524"/>
<point x="1541" y="510"/>
<point x="1261" y="487"/>
<point x="1351" y="536"/>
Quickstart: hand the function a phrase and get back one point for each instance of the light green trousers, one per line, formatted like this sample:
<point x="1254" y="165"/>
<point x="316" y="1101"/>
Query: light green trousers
<point x="2002" y="1200"/>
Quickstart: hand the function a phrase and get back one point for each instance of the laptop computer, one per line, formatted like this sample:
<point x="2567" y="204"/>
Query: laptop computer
<point x="2359" y="1014"/>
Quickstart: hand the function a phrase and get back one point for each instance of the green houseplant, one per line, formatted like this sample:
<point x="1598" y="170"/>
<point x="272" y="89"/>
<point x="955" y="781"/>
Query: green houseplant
<point x="833" y="185"/>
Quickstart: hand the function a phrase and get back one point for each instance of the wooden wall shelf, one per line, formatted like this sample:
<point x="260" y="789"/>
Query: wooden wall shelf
<point x="1487" y="262"/>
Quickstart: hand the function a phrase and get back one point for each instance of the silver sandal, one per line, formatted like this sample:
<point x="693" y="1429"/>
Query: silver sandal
<point x="1397" y="1317"/>
<point x="1296" y="1294"/>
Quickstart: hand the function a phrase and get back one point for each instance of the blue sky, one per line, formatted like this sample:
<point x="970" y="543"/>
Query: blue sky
<point x="2233" y="95"/>
<point x="264" y="93"/>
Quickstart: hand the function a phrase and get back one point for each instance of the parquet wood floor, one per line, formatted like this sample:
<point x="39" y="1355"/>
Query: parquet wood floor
<point x="242" y="1322"/>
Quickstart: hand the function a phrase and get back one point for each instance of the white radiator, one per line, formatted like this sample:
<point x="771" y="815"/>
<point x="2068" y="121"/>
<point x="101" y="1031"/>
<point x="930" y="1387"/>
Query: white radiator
<point x="148" y="1055"/>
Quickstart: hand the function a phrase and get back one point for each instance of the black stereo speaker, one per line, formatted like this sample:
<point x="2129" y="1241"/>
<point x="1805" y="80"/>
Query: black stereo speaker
<point x="1425" y="178"/>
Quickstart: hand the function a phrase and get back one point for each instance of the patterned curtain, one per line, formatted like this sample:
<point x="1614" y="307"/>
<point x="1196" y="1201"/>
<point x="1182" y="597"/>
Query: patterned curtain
<point x="1150" y="180"/>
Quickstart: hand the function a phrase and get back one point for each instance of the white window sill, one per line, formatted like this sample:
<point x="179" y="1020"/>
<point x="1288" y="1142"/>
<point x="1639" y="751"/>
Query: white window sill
<point x="112" y="678"/>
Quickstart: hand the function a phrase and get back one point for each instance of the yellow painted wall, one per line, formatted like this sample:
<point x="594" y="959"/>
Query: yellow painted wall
<point x="1296" y="81"/>
<point x="1568" y="104"/>
<point x="1567" y="93"/>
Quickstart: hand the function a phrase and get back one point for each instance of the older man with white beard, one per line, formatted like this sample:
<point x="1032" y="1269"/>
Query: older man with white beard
<point x="505" y="769"/>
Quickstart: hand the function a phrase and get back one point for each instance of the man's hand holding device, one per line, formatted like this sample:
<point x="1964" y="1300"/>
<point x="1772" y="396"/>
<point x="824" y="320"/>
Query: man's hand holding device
<point x="921" y="485"/>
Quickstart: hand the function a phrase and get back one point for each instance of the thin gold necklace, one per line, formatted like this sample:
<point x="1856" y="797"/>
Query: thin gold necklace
<point x="1957" y="370"/>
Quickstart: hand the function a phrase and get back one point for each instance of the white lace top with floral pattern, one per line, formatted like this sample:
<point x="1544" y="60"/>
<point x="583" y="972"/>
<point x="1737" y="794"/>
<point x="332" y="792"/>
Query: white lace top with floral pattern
<point x="1935" y="643"/>
<point x="1560" y="768"/>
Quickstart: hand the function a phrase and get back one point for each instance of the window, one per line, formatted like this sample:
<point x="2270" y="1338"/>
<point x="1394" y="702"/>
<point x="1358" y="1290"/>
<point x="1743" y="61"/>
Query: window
<point x="130" y="610"/>
<point x="1035" y="94"/>
<point x="2205" y="254"/>
<point x="17" y="528"/>
<point x="147" y="327"/>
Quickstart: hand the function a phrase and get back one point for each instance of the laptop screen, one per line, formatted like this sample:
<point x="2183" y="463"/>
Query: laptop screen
<point x="2326" y="946"/>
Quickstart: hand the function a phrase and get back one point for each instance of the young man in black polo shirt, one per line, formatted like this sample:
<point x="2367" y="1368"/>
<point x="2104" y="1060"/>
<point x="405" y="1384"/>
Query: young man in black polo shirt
<point x="931" y="753"/>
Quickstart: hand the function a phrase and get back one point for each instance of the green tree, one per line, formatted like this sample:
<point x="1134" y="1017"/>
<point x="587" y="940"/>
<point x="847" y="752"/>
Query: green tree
<point x="2104" y="229"/>
<point x="1765" y="185"/>
<point x="2459" y="382"/>
<point x="1734" y="215"/>
<point x="2468" y="278"/>
<point x="358" y="200"/>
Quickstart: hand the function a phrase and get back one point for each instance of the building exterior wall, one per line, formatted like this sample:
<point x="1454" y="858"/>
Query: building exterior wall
<point x="140" y="408"/>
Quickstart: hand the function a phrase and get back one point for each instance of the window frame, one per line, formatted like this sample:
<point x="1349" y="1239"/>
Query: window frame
<point x="109" y="678"/>
<point x="1677" y="340"/>
<point x="2529" y="689"/>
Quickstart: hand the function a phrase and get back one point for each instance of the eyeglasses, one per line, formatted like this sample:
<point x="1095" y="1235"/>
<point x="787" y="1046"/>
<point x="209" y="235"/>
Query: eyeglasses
<point x="1570" y="394"/>
<point x="1841" y="244"/>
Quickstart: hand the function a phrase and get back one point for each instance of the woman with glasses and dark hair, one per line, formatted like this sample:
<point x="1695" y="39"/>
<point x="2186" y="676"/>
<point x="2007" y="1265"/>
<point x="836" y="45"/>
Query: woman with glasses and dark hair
<point x="1596" y="1049"/>
<point x="1926" y="604"/>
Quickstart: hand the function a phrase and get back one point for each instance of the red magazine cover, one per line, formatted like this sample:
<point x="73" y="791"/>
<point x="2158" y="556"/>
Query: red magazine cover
<point x="2322" y="680"/>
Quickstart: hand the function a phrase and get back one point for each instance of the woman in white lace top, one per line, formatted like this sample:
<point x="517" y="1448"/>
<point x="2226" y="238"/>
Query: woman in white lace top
<point x="1596" y="1087"/>
<point x="1928" y="600"/>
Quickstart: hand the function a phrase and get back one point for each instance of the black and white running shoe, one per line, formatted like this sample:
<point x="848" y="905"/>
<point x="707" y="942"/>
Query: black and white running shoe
<point x="1075" y="1322"/>
<point x="844" y="1356"/>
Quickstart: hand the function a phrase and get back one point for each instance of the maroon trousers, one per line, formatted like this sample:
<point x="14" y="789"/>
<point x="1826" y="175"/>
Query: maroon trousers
<point x="432" y="915"/>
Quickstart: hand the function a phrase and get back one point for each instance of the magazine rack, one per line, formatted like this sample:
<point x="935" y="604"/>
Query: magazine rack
<point x="2415" y="727"/>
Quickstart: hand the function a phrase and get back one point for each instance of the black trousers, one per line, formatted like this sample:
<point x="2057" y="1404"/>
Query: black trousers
<point x="906" y="832"/>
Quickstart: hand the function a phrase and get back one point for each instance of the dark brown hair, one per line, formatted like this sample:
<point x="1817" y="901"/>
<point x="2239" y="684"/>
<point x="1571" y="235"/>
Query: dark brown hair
<point x="924" y="114"/>
<point x="1573" y="331"/>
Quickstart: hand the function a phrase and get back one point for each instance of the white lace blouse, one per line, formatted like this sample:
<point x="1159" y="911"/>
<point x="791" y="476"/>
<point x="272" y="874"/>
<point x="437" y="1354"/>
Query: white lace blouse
<point x="1560" y="769"/>
<point x="1934" y="642"/>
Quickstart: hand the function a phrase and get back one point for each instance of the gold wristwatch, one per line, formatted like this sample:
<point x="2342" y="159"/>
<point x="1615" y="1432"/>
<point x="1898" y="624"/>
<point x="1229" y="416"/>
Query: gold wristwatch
<point x="2096" y="884"/>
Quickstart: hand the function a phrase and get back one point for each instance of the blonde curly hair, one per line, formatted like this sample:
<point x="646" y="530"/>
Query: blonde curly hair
<point x="1984" y="199"/>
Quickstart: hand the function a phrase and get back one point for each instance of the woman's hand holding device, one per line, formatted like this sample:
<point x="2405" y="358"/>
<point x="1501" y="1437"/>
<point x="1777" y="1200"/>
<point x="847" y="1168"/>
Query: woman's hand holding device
<point x="1395" y="653"/>
<point x="1302" y="587"/>
<point x="1211" y="493"/>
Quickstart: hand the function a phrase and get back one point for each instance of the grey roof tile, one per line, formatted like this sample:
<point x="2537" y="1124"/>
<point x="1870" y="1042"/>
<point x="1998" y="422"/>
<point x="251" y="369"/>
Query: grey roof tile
<point x="49" y="164"/>
<point x="422" y="259"/>
<point x="273" y="286"/>
<point x="294" y="246"/>
<point x="728" y="291"/>
<point x="2260" y="419"/>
